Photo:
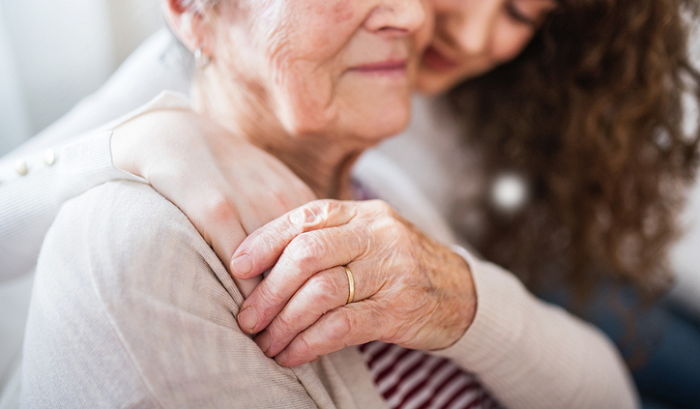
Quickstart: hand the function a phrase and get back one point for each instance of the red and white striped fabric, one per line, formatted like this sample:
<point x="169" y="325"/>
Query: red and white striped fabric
<point x="411" y="379"/>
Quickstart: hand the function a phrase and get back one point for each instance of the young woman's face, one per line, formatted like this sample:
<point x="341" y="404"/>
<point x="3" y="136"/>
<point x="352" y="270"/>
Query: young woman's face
<point x="474" y="36"/>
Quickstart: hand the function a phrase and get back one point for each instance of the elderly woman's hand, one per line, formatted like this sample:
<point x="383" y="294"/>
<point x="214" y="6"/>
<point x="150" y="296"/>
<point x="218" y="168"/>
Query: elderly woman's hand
<point x="408" y="289"/>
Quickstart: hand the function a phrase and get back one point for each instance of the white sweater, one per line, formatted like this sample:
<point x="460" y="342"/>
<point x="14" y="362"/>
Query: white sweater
<point x="528" y="353"/>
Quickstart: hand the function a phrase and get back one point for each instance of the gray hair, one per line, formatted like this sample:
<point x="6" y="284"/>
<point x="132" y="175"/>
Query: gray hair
<point x="198" y="6"/>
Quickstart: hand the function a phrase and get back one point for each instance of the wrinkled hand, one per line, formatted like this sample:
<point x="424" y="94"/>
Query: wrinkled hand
<point x="226" y="186"/>
<point x="409" y="289"/>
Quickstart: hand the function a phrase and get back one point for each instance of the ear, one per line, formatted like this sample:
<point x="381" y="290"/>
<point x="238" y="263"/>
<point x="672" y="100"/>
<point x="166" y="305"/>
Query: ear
<point x="189" y="25"/>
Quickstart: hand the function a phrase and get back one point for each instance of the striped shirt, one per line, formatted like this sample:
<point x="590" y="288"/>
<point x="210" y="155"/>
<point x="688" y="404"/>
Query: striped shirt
<point x="411" y="379"/>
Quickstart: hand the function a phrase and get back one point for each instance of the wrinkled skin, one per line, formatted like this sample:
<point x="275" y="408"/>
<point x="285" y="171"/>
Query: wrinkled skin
<point x="409" y="289"/>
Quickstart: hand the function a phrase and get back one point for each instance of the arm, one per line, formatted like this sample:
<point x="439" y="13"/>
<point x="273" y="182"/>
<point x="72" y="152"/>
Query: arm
<point x="153" y="145"/>
<point x="140" y="312"/>
<point x="534" y="355"/>
<point x="501" y="298"/>
<point x="415" y="292"/>
<point x="34" y="183"/>
<point x="33" y="190"/>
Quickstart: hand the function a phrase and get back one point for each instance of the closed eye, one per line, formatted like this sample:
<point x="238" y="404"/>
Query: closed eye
<point x="518" y="16"/>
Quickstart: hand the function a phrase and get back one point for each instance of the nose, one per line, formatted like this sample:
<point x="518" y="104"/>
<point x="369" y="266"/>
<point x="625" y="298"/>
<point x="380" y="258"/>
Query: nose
<point x="397" y="17"/>
<point x="473" y="27"/>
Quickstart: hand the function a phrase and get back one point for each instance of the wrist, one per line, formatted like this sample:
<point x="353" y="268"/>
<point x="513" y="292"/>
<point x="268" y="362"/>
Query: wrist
<point x="465" y="300"/>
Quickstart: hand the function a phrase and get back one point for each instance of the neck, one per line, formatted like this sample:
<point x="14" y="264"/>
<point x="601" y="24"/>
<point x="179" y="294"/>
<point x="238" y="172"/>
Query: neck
<point x="323" y="162"/>
<point x="325" y="170"/>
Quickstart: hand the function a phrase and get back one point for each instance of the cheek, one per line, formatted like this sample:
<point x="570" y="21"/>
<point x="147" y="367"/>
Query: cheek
<point x="313" y="31"/>
<point x="301" y="58"/>
<point x="302" y="100"/>
<point x="509" y="40"/>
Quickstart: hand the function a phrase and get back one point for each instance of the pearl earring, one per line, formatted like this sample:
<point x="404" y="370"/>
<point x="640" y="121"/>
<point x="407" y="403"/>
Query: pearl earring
<point x="200" y="58"/>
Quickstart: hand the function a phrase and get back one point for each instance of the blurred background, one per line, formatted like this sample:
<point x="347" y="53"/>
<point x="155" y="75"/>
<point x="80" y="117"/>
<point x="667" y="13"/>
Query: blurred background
<point x="53" y="53"/>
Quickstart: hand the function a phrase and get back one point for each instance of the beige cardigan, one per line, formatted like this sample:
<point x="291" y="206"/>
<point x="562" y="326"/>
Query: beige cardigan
<point x="132" y="307"/>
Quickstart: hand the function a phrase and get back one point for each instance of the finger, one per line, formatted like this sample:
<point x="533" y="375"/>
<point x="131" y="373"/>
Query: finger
<point x="218" y="221"/>
<point x="262" y="248"/>
<point x="281" y="189"/>
<point x="307" y="254"/>
<point x="354" y="324"/>
<point x="323" y="292"/>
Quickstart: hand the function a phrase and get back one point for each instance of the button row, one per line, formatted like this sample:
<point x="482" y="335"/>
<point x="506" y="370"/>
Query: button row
<point x="22" y="166"/>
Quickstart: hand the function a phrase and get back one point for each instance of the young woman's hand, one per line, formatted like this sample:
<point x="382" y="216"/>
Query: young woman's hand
<point x="226" y="186"/>
<point x="408" y="289"/>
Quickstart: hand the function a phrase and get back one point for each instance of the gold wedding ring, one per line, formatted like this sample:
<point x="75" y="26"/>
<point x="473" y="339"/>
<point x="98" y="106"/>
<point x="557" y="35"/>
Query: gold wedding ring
<point x="351" y="285"/>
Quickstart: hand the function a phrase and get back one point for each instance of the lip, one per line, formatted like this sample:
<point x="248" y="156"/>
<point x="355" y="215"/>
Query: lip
<point x="437" y="61"/>
<point x="382" y="67"/>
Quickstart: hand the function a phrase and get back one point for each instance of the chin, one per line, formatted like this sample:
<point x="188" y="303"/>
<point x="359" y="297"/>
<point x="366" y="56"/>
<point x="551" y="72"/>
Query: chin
<point x="429" y="84"/>
<point x="389" y="123"/>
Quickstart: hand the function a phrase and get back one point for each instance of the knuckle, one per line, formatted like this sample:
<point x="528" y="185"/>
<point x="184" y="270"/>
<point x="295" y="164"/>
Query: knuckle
<point x="382" y="207"/>
<point x="303" y="346"/>
<point x="313" y="214"/>
<point x="219" y="208"/>
<point x="268" y="295"/>
<point x="396" y="229"/>
<point x="306" y="249"/>
<point x="324" y="288"/>
<point x="282" y="325"/>
<point x="389" y="229"/>
<point x="341" y="326"/>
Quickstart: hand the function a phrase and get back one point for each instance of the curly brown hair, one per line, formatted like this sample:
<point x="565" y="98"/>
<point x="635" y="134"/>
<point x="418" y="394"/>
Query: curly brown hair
<point x="591" y="113"/>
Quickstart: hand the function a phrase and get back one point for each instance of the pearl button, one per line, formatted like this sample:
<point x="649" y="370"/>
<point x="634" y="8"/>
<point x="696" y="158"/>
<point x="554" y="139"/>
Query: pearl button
<point x="49" y="157"/>
<point x="22" y="168"/>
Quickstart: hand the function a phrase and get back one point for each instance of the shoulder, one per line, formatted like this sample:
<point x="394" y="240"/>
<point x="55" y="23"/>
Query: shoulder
<point x="125" y="270"/>
<point x="129" y="214"/>
<point x="125" y="235"/>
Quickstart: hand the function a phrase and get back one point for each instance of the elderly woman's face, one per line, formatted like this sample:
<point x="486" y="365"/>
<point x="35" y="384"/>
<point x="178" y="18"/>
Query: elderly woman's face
<point x="324" y="66"/>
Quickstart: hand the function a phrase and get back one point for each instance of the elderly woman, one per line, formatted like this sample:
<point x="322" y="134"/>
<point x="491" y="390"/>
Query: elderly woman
<point x="140" y="311"/>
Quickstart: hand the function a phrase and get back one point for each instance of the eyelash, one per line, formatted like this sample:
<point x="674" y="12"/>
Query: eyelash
<point x="517" y="16"/>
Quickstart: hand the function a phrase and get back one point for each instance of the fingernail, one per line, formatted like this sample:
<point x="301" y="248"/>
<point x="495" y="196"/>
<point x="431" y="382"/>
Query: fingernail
<point x="241" y="265"/>
<point x="247" y="319"/>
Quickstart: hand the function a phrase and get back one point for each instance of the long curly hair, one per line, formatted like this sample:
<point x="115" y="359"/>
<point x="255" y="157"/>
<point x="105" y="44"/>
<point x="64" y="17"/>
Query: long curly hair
<point x="592" y="114"/>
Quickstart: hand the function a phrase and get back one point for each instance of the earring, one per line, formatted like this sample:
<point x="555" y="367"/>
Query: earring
<point x="200" y="58"/>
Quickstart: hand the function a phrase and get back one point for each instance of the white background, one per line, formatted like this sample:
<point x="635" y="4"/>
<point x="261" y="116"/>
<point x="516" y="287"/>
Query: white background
<point x="54" y="52"/>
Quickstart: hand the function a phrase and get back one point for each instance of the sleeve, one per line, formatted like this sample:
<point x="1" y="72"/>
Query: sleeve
<point x="140" y="313"/>
<point x="32" y="191"/>
<point x="534" y="355"/>
<point x="33" y="188"/>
